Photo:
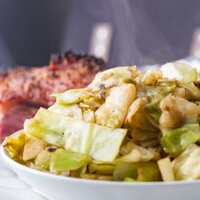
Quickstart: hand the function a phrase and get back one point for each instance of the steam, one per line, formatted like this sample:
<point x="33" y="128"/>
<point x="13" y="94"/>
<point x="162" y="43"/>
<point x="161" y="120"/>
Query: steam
<point x="5" y="56"/>
<point x="136" y="37"/>
<point x="141" y="40"/>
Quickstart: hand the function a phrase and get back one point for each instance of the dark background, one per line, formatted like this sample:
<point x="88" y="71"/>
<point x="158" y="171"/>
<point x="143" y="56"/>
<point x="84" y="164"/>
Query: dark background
<point x="145" y="31"/>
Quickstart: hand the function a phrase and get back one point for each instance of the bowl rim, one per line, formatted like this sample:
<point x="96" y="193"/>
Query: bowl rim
<point x="15" y="165"/>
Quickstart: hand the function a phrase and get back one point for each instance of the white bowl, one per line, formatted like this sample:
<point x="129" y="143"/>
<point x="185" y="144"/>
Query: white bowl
<point x="56" y="187"/>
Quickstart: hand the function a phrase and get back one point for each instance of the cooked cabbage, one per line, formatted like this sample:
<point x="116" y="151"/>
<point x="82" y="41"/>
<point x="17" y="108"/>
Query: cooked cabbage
<point x="125" y="126"/>
<point x="187" y="165"/>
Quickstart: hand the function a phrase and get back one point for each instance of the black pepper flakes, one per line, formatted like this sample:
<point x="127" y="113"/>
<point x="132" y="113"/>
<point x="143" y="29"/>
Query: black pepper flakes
<point x="103" y="95"/>
<point x="51" y="149"/>
<point x="102" y="86"/>
<point x="53" y="74"/>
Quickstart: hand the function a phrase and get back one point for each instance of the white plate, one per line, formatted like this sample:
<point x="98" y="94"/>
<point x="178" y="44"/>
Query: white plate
<point x="63" y="188"/>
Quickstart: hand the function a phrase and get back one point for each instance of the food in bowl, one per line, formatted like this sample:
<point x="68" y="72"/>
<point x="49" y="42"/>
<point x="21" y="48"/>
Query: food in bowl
<point x="125" y="126"/>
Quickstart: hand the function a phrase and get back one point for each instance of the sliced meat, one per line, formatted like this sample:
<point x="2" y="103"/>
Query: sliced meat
<point x="35" y="85"/>
<point x="13" y="120"/>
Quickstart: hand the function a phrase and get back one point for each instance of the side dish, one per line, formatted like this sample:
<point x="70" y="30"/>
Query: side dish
<point x="125" y="126"/>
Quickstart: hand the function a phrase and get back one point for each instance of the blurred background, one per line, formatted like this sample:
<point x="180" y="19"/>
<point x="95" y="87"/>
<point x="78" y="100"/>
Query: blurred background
<point x="140" y="31"/>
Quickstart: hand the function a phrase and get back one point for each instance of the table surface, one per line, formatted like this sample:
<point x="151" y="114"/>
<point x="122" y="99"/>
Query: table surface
<point x="12" y="188"/>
